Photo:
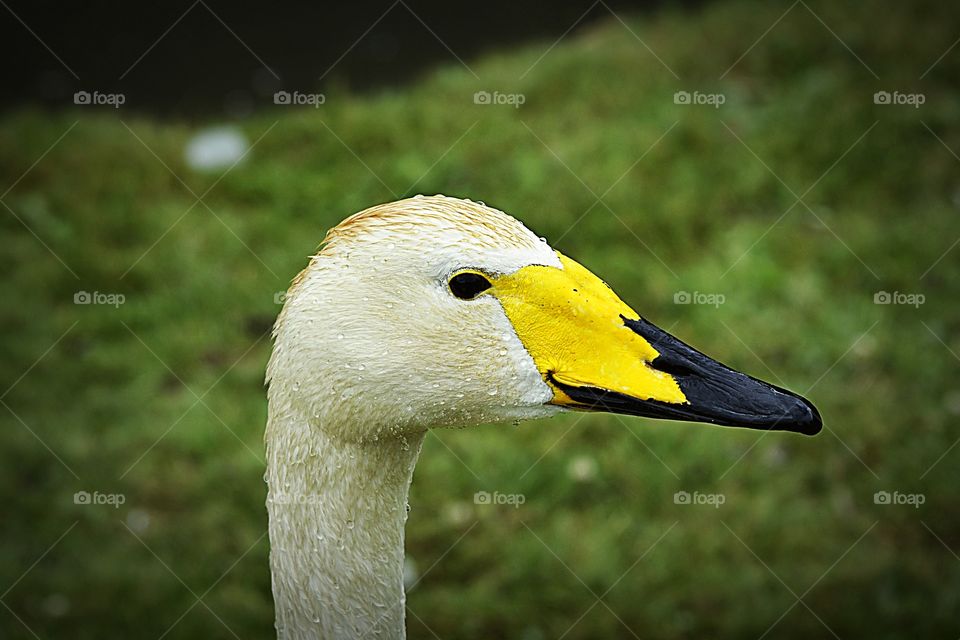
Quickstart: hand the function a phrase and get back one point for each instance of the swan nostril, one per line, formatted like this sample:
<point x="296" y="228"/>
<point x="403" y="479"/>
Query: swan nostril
<point x="671" y="367"/>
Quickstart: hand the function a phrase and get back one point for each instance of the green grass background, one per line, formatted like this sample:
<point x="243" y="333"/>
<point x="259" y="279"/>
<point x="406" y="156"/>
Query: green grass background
<point x="692" y="199"/>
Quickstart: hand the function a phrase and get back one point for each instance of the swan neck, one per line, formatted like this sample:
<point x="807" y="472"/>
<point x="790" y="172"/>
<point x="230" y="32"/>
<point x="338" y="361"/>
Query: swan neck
<point x="337" y="513"/>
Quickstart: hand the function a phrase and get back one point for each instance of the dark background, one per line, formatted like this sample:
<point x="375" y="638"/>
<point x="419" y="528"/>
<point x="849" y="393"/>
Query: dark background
<point x="203" y="65"/>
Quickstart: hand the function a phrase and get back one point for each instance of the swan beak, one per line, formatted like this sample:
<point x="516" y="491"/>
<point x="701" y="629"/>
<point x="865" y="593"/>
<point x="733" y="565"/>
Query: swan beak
<point x="598" y="354"/>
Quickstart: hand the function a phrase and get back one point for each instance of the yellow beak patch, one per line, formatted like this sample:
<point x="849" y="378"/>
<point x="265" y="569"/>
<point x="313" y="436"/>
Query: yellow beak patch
<point x="570" y="322"/>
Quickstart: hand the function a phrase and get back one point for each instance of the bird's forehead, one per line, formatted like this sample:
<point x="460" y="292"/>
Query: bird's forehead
<point x="448" y="233"/>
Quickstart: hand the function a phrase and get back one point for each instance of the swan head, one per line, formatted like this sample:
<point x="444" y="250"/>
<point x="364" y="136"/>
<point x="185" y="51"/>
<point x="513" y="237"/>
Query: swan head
<point x="436" y="311"/>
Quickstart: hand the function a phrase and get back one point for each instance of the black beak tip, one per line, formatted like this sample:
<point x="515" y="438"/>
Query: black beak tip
<point x="715" y="393"/>
<point x="805" y="419"/>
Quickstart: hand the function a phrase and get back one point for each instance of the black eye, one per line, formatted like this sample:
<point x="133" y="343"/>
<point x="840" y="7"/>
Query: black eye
<point x="468" y="285"/>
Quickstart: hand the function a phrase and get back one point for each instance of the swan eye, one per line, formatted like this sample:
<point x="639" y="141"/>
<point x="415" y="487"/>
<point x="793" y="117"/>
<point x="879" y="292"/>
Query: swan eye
<point x="468" y="285"/>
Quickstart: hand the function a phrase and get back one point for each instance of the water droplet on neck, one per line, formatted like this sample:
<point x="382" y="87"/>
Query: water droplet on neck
<point x="492" y="392"/>
<point x="339" y="336"/>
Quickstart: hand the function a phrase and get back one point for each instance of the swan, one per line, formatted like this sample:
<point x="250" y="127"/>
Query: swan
<point x="436" y="312"/>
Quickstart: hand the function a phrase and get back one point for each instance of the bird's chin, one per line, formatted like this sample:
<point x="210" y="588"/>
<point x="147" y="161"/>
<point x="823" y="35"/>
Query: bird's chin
<point x="498" y="415"/>
<point x="533" y="412"/>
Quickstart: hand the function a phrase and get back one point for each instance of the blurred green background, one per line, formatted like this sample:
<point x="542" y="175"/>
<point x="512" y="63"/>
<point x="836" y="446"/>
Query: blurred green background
<point x="797" y="200"/>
